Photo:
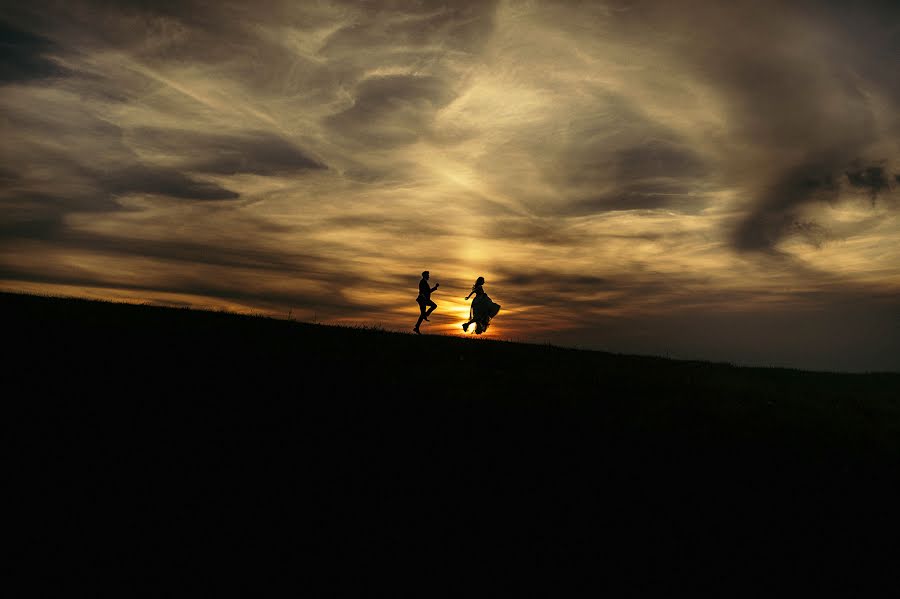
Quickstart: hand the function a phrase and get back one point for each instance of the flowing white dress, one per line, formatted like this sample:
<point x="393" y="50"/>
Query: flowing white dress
<point x="482" y="310"/>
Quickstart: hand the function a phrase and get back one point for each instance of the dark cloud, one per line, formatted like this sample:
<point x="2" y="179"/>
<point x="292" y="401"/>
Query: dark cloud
<point x="7" y="175"/>
<point x="654" y="174"/>
<point x="620" y="159"/>
<point x="392" y="110"/>
<point x="800" y="96"/>
<point x="236" y="289"/>
<point x="598" y="179"/>
<point x="658" y="158"/>
<point x="29" y="226"/>
<point x="226" y="35"/>
<point x="255" y="152"/>
<point x="29" y="215"/>
<point x="774" y="216"/>
<point x="53" y="179"/>
<point x="810" y="231"/>
<point x="552" y="232"/>
<point x="872" y="179"/>
<point x="26" y="56"/>
<point x="162" y="181"/>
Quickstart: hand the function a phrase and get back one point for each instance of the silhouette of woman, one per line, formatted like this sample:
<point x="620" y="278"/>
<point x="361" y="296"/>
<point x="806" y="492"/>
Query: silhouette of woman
<point x="482" y="310"/>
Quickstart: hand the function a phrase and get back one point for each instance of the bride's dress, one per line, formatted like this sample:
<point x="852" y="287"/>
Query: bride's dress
<point x="482" y="311"/>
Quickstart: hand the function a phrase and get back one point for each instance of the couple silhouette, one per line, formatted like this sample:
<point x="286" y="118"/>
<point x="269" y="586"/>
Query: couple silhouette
<point x="481" y="311"/>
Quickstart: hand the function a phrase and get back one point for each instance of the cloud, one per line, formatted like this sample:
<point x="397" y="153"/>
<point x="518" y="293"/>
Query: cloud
<point x="778" y="213"/>
<point x="26" y="56"/>
<point x="647" y="169"/>
<point x="7" y="175"/>
<point x="392" y="110"/>
<point x="871" y="178"/>
<point x="252" y="152"/>
<point x="765" y="226"/>
<point x="166" y="182"/>
<point x="799" y="116"/>
<point x="422" y="33"/>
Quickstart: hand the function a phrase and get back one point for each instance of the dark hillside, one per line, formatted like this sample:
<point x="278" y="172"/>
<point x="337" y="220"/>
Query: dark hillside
<point x="177" y="425"/>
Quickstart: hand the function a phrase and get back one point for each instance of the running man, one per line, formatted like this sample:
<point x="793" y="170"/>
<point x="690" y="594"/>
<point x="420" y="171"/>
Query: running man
<point x="426" y="306"/>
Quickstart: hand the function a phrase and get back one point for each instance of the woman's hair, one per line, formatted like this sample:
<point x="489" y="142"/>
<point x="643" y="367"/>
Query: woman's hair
<point x="478" y="281"/>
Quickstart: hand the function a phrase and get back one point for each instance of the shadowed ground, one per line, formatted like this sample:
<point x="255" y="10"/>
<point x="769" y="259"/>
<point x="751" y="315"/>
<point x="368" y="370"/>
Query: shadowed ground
<point x="167" y="436"/>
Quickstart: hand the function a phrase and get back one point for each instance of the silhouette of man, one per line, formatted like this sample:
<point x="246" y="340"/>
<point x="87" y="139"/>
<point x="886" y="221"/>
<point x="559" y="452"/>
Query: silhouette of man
<point x="426" y="306"/>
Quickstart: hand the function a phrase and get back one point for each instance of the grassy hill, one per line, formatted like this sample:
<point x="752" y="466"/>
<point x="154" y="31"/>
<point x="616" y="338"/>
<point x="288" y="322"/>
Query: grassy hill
<point x="181" y="424"/>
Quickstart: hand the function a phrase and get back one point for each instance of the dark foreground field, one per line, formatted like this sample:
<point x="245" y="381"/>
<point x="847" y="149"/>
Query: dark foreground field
<point x="161" y="442"/>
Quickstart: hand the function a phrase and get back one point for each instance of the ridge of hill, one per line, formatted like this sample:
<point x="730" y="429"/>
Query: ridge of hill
<point x="105" y="349"/>
<point x="48" y="325"/>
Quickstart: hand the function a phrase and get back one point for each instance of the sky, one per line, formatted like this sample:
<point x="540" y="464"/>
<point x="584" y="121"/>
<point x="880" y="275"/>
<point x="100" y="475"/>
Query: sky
<point x="700" y="180"/>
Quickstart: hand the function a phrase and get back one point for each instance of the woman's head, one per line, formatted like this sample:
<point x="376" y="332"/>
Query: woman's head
<point x="479" y="281"/>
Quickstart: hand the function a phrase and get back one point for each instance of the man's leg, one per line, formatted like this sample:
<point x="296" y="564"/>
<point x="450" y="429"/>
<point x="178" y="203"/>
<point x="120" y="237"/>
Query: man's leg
<point x="431" y="309"/>
<point x="421" y="316"/>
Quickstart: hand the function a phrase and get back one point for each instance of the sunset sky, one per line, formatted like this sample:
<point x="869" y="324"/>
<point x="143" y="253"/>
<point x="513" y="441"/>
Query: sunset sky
<point x="711" y="180"/>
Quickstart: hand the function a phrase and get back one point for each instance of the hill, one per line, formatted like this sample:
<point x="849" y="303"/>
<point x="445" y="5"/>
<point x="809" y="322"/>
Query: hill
<point x="187" y="422"/>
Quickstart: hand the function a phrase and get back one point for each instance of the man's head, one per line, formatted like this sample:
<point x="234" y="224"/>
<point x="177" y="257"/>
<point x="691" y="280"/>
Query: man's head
<point x="425" y="274"/>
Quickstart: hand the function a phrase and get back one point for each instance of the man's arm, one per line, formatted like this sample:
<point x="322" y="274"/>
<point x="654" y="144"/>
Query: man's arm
<point x="436" y="285"/>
